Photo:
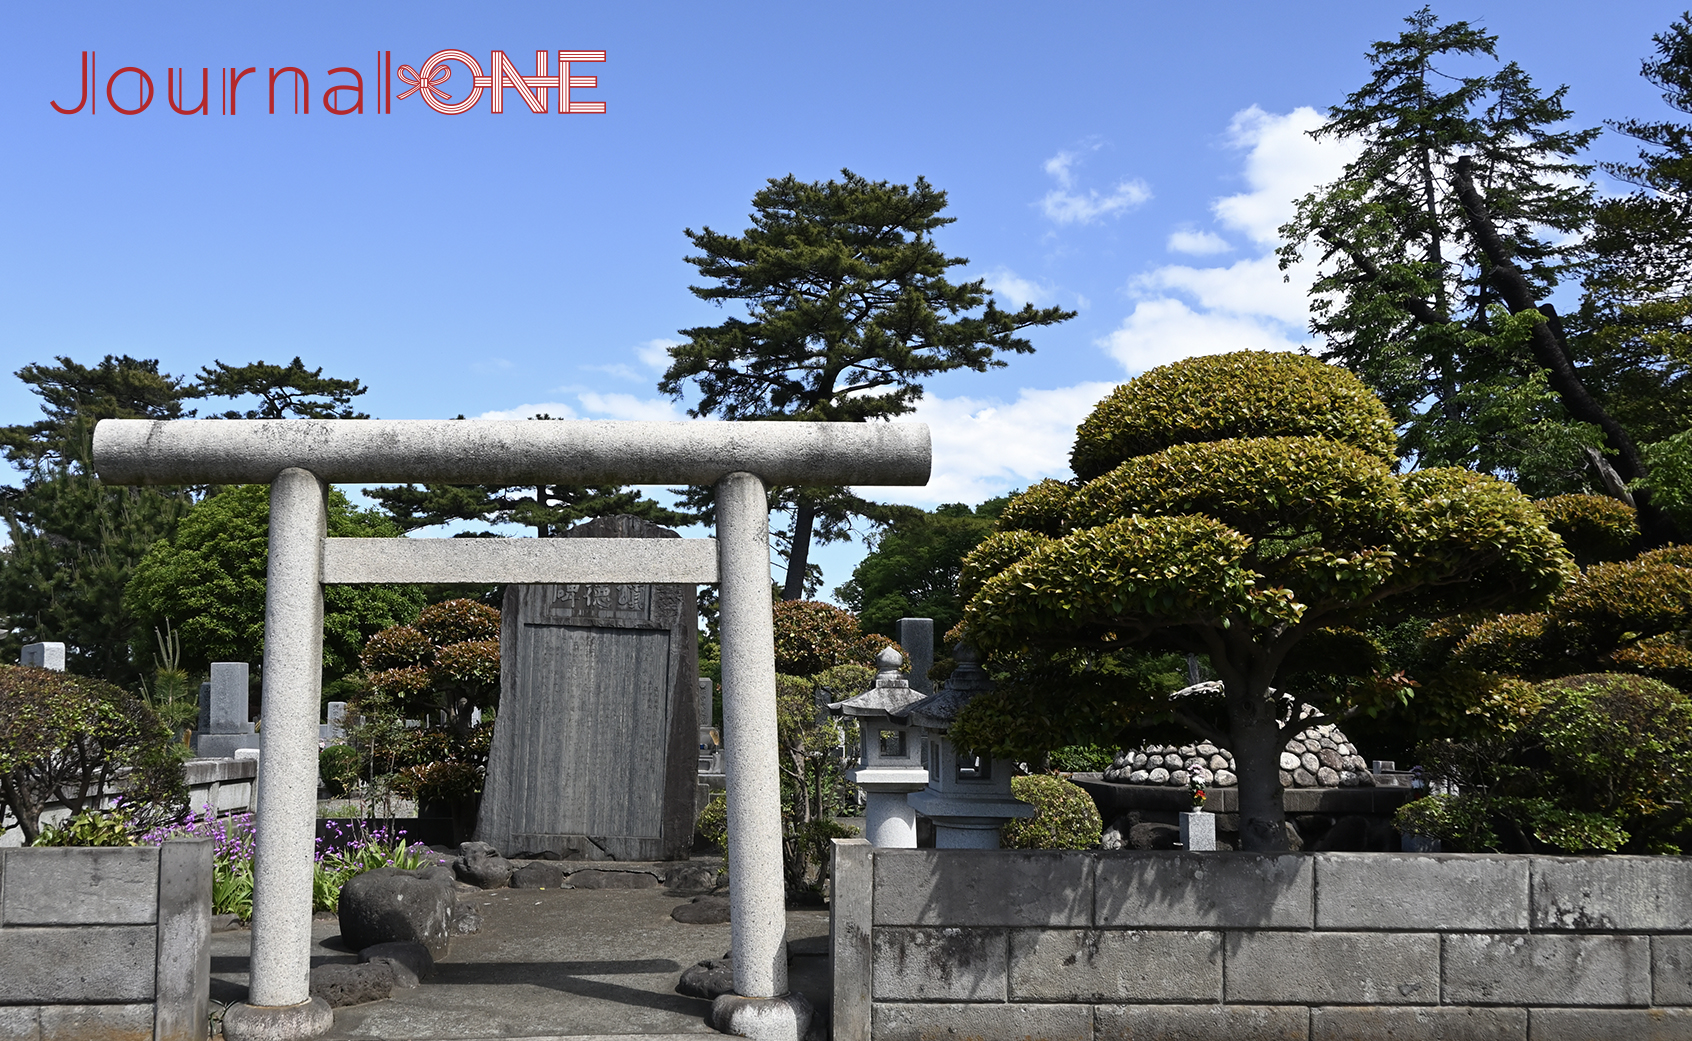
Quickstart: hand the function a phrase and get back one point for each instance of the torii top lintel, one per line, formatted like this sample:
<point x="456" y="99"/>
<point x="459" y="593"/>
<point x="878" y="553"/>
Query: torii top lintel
<point x="472" y="451"/>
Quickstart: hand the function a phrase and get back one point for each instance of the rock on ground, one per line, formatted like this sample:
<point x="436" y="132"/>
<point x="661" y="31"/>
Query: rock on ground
<point x="410" y="962"/>
<point x="387" y="904"/>
<point x="708" y="979"/>
<point x="593" y="878"/>
<point x="482" y="866"/>
<point x="343" y="985"/>
<point x="703" y="910"/>
<point x="538" y="874"/>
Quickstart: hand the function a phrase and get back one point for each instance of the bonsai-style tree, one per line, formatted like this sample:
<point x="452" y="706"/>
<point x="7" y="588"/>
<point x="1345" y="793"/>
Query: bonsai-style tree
<point x="447" y="661"/>
<point x="1239" y="506"/>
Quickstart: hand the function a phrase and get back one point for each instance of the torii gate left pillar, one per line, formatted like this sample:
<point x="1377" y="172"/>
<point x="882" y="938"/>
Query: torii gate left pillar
<point x="300" y="458"/>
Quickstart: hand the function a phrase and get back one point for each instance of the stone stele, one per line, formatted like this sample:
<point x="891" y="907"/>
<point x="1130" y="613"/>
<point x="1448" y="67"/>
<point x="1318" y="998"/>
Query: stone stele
<point x="593" y="750"/>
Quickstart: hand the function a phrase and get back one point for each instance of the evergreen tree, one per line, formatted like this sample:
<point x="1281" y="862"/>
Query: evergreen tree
<point x="550" y="509"/>
<point x="1635" y="323"/>
<point x="911" y="570"/>
<point x="1439" y="247"/>
<point x="291" y="390"/>
<point x="847" y="310"/>
<point x="74" y="541"/>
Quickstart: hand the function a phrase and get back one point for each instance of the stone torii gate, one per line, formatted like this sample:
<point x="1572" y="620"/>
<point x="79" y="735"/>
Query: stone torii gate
<point x="299" y="459"/>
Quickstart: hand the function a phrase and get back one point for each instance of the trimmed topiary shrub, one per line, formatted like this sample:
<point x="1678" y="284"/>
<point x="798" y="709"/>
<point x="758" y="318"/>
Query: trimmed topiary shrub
<point x="1595" y="528"/>
<point x="1064" y="816"/>
<point x="813" y="637"/>
<point x="70" y="739"/>
<point x="1246" y="394"/>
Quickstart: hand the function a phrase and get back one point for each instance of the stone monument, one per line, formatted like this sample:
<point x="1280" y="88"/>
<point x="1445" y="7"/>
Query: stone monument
<point x="224" y="726"/>
<point x="595" y="748"/>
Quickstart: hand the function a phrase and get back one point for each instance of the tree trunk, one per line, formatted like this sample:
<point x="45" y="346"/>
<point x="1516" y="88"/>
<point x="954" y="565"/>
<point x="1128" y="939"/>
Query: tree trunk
<point x="24" y="809"/>
<point x="1550" y="350"/>
<point x="1257" y="757"/>
<point x="799" y="552"/>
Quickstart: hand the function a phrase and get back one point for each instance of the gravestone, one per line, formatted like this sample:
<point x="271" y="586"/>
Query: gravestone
<point x="594" y="750"/>
<point x="916" y="636"/>
<point x="334" y="728"/>
<point x="44" y="656"/>
<point x="224" y="726"/>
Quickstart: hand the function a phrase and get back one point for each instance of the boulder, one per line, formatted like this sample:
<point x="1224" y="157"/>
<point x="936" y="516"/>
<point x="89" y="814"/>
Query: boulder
<point x="538" y="874"/>
<point x="593" y="878"/>
<point x="689" y="877"/>
<point x="708" y="979"/>
<point x="703" y="910"/>
<point x="388" y="905"/>
<point x="410" y="962"/>
<point x="343" y="985"/>
<point x="482" y="866"/>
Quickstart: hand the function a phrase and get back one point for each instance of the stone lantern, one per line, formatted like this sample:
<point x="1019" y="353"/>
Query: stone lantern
<point x="890" y="765"/>
<point x="968" y="795"/>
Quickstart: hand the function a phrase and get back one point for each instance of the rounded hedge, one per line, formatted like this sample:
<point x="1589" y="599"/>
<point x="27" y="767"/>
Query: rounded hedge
<point x="812" y="637"/>
<point x="1043" y="508"/>
<point x="1244" y="394"/>
<point x="1283" y="485"/>
<point x="1593" y="527"/>
<point x="455" y="621"/>
<point x="1064" y="816"/>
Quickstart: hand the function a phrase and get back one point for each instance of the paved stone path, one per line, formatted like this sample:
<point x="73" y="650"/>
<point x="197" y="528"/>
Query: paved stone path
<point x="549" y="964"/>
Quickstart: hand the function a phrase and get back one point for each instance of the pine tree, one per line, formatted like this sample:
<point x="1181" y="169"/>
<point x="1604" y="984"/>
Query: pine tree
<point x="847" y="310"/>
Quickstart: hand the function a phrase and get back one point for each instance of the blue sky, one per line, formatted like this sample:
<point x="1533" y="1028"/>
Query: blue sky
<point x="1126" y="160"/>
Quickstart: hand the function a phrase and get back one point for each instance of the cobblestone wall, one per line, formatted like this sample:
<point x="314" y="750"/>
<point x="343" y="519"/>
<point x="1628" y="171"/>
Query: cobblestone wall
<point x="1119" y="945"/>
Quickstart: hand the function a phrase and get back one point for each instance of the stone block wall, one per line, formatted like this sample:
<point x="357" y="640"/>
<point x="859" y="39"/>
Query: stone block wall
<point x="1317" y="947"/>
<point x="105" y="943"/>
<point x="225" y="784"/>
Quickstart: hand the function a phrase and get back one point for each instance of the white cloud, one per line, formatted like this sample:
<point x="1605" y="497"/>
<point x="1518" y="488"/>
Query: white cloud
<point x="1197" y="243"/>
<point x="1254" y="286"/>
<point x="1185" y="310"/>
<point x="1283" y="164"/>
<point x="591" y="404"/>
<point x="655" y="354"/>
<point x="555" y="409"/>
<point x="627" y="406"/>
<point x="1062" y="166"/>
<point x="1015" y="289"/>
<point x="984" y="448"/>
<point x="1072" y="208"/>
<point x="1065" y="206"/>
<point x="1164" y="330"/>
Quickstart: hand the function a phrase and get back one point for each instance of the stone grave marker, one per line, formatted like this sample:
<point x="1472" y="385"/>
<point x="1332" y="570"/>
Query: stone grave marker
<point x="224" y="726"/>
<point x="44" y="656"/>
<point x="595" y="745"/>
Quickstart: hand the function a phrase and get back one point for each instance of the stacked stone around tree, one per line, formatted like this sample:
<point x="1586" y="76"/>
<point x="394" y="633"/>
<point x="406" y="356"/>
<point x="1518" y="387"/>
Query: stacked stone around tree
<point x="1175" y="766"/>
<point x="1318" y="757"/>
<point x="1322" y="757"/>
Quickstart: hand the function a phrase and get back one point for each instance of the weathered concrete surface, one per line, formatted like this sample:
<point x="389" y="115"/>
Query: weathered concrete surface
<point x="559" y="963"/>
<point x="987" y="888"/>
<point x="67" y="965"/>
<point x="750" y="744"/>
<point x="1204" y="890"/>
<point x="375" y="561"/>
<point x="1115" y="965"/>
<point x="80" y="886"/>
<point x="1202" y="1023"/>
<point x="363" y="451"/>
<point x="1410" y="892"/>
<point x="287" y="785"/>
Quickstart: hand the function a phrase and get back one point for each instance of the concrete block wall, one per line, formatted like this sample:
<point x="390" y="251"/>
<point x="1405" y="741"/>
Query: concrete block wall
<point x="226" y="784"/>
<point x="107" y="943"/>
<point x="1316" y="947"/>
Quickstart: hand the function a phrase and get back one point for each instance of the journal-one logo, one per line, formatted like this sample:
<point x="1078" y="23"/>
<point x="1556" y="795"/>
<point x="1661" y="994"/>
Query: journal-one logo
<point x="130" y="89"/>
